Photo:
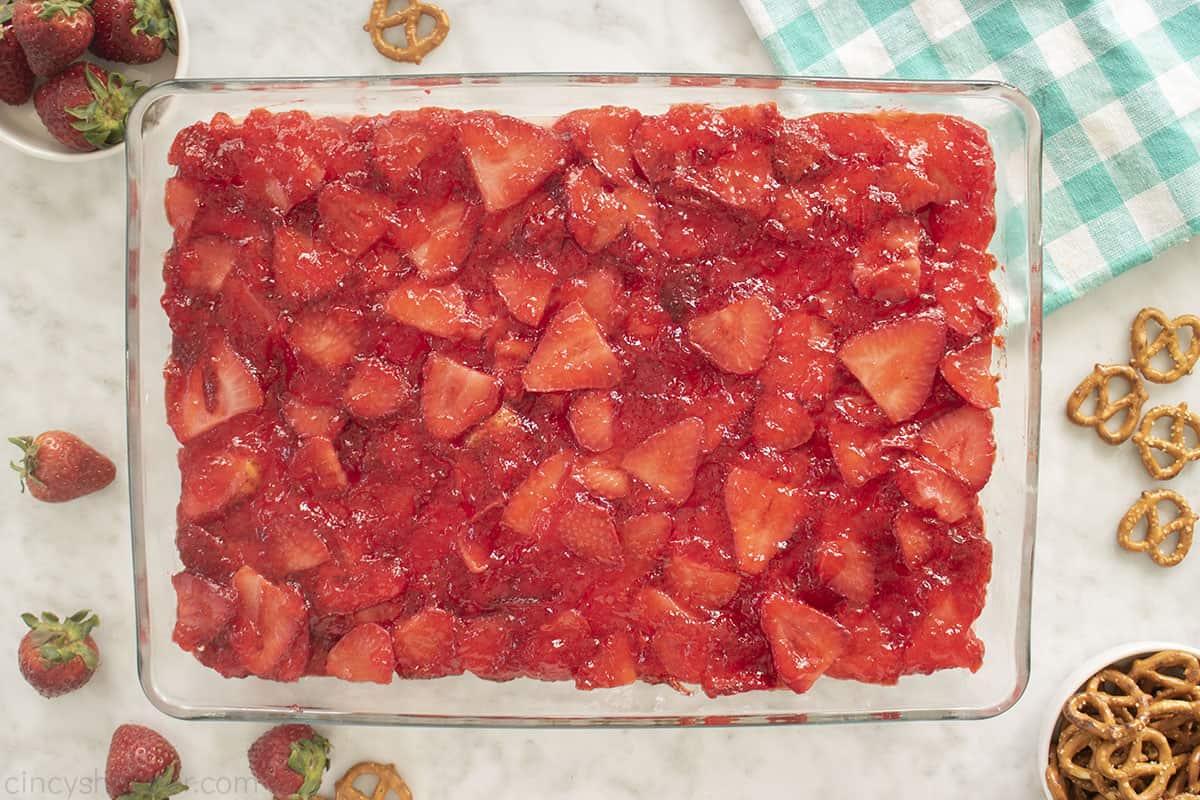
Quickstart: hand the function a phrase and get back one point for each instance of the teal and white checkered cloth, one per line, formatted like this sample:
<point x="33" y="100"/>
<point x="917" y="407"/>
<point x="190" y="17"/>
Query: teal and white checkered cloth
<point x="1117" y="84"/>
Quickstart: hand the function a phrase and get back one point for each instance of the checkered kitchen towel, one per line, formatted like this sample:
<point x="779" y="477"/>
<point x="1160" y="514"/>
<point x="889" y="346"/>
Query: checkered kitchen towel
<point x="1117" y="83"/>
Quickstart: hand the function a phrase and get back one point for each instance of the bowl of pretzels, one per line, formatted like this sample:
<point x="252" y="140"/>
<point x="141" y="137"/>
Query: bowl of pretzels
<point x="1129" y="729"/>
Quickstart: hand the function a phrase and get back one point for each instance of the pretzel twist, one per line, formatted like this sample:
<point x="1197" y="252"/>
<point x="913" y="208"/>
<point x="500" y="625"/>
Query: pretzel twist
<point x="1145" y="349"/>
<point x="388" y="783"/>
<point x="1157" y="533"/>
<point x="1176" y="447"/>
<point x="1130" y="404"/>
<point x="416" y="46"/>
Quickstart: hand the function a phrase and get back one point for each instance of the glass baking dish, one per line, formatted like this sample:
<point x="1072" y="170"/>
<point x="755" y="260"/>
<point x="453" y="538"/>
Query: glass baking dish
<point x="178" y="685"/>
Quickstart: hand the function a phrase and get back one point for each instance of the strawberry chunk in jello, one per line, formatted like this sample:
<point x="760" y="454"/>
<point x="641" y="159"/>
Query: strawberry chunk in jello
<point x="697" y="398"/>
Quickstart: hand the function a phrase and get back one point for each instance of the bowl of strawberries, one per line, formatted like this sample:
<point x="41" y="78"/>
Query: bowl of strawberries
<point x="70" y="70"/>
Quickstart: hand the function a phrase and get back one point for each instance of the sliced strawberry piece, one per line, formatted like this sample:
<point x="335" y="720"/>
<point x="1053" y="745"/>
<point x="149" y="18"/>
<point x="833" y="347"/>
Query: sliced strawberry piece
<point x="437" y="310"/>
<point x="804" y="642"/>
<point x="896" y="361"/>
<point x="723" y="414"/>
<point x="683" y="647"/>
<point x="644" y="537"/>
<point x="559" y="646"/>
<point x="800" y="150"/>
<point x="572" y="354"/>
<point x="781" y="422"/>
<point x="859" y="452"/>
<point x="182" y="200"/>
<point x="655" y="608"/>
<point x="293" y="543"/>
<point x="845" y="565"/>
<point x="531" y="508"/>
<point x="327" y="337"/>
<point x="874" y="654"/>
<point x="376" y="389"/>
<point x="942" y="637"/>
<point x="587" y="530"/>
<point x="603" y="136"/>
<point x="214" y="481"/>
<point x="525" y="287"/>
<point x="485" y="646"/>
<point x="306" y="268"/>
<point x="352" y="219"/>
<point x="961" y="442"/>
<point x="333" y="589"/>
<point x="203" y="553"/>
<point x="599" y="292"/>
<point x="741" y="179"/>
<point x="591" y="417"/>
<point x="364" y="654"/>
<point x="802" y="361"/>
<point x="595" y="215"/>
<point x="667" y="460"/>
<point x="602" y="479"/>
<point x="612" y="664"/>
<point x="218" y="387"/>
<point x="405" y="139"/>
<point x="316" y="466"/>
<point x="425" y="644"/>
<point x="438" y="238"/>
<point x="699" y="584"/>
<point x="510" y="158"/>
<point x="968" y="370"/>
<point x="887" y="267"/>
<point x="202" y="610"/>
<point x="312" y="419"/>
<point x="763" y="513"/>
<point x="455" y="397"/>
<point x="738" y="337"/>
<point x="205" y="261"/>
<point x="269" y="619"/>
<point x="914" y="538"/>
<point x="927" y="487"/>
<point x="965" y="291"/>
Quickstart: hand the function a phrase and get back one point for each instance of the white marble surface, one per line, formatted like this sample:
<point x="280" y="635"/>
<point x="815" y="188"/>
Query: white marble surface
<point x="61" y="338"/>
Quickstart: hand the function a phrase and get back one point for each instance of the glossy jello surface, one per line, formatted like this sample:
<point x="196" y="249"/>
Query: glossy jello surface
<point x="700" y="398"/>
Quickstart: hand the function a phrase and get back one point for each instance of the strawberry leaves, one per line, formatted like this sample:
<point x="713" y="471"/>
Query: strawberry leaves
<point x="309" y="759"/>
<point x="102" y="121"/>
<point x="61" y="641"/>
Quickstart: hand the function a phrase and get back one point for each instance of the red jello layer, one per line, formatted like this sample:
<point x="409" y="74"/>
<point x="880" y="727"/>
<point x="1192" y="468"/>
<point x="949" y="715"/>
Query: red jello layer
<point x="699" y="398"/>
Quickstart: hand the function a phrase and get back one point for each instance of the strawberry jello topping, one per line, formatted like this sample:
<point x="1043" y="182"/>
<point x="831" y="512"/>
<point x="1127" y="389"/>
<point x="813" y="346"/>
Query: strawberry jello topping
<point x="698" y="399"/>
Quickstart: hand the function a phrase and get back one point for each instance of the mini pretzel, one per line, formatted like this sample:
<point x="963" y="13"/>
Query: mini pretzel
<point x="1176" y="447"/>
<point x="1145" y="349"/>
<point x="1109" y="715"/>
<point x="1156" y="533"/>
<point x="1130" y="403"/>
<point x="416" y="47"/>
<point x="388" y="784"/>
<point x="1074" y="752"/>
<point x="1167" y="674"/>
<point x="1128" y="762"/>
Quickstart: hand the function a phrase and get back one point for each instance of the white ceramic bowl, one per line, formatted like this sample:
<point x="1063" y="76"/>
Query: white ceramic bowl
<point x="1120" y="656"/>
<point x="21" y="127"/>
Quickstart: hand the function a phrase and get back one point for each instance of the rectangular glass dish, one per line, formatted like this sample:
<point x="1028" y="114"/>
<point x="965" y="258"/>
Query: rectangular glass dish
<point x="180" y="686"/>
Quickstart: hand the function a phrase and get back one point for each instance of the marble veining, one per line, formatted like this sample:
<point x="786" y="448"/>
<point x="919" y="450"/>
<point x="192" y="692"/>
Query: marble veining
<point x="61" y="358"/>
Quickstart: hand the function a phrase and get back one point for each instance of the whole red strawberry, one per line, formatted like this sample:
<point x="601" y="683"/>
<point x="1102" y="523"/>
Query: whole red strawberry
<point x="132" y="31"/>
<point x="59" y="466"/>
<point x="58" y="656"/>
<point x="142" y="765"/>
<point x="53" y="33"/>
<point x="85" y="107"/>
<point x="16" y="78"/>
<point x="290" y="761"/>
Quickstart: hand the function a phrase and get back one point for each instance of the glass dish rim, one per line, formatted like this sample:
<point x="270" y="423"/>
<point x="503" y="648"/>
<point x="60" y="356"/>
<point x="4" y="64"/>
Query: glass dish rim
<point x="884" y="87"/>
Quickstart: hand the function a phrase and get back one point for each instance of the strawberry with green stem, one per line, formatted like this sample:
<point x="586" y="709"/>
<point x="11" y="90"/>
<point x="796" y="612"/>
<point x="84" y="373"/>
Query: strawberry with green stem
<point x="133" y="31"/>
<point x="58" y="656"/>
<point x="141" y="765"/>
<point x="290" y="761"/>
<point x="85" y="107"/>
<point x="16" y="78"/>
<point x="53" y="33"/>
<point x="57" y="466"/>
